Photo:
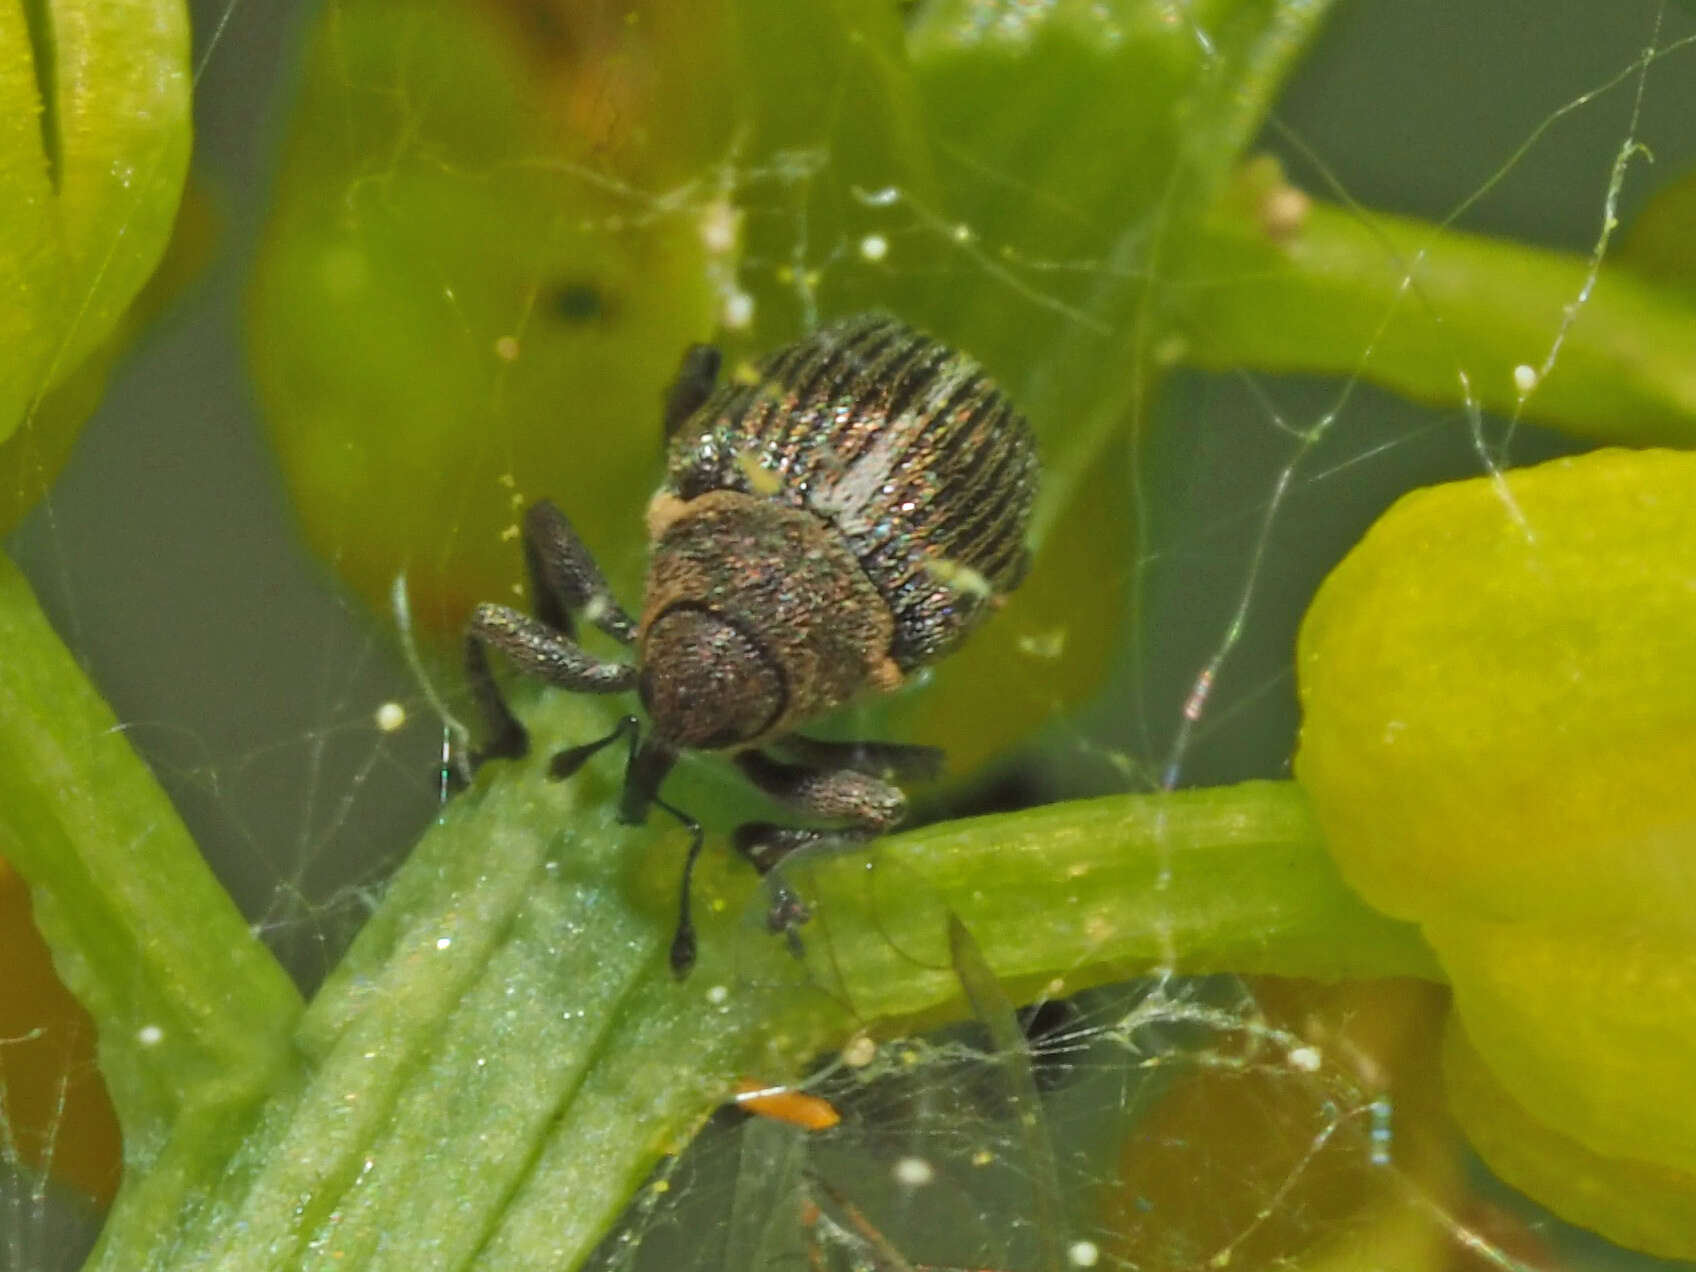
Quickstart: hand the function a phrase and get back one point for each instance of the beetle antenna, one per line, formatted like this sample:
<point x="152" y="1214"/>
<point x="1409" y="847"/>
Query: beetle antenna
<point x="572" y="758"/>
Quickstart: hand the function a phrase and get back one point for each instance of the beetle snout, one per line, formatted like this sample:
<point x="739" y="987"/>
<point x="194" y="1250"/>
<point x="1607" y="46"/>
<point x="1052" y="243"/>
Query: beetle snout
<point x="705" y="683"/>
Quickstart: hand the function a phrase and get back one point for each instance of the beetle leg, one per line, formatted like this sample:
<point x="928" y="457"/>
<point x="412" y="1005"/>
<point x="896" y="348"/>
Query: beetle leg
<point x="763" y="845"/>
<point x="693" y="384"/>
<point x="537" y="650"/>
<point x="891" y="761"/>
<point x="843" y="793"/>
<point x="647" y="768"/>
<point x="564" y="579"/>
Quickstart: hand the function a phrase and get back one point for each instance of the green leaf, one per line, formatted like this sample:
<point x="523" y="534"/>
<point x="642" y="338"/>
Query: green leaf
<point x="1080" y="133"/>
<point x="1660" y="245"/>
<point x="94" y="146"/>
<point x="413" y="357"/>
<point x="457" y="303"/>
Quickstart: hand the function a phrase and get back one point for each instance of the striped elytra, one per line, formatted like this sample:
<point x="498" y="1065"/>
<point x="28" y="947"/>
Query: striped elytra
<point x="901" y="445"/>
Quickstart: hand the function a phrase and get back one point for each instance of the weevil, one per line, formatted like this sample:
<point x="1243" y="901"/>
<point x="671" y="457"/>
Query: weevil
<point x="827" y="526"/>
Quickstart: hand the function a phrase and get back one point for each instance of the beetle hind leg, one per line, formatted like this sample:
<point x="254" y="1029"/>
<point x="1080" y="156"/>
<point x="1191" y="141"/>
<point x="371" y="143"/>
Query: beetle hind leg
<point x="891" y="761"/>
<point x="844" y="793"/>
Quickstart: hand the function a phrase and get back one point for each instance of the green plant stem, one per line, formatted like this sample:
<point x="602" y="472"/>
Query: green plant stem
<point x="1441" y="316"/>
<point x="503" y="1055"/>
<point x="193" y="1012"/>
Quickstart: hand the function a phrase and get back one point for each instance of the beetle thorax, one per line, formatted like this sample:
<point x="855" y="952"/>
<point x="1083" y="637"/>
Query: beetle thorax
<point x="757" y="617"/>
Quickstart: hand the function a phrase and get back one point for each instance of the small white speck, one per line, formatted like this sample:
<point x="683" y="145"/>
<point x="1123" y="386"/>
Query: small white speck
<point x="1083" y="1254"/>
<point x="442" y="942"/>
<point x="150" y="1035"/>
<point x="1048" y="645"/>
<point x="390" y="716"/>
<point x="874" y="247"/>
<point x="718" y="995"/>
<point x="721" y="222"/>
<point x="1305" y="1058"/>
<point x="1524" y="378"/>
<point x="914" y="1172"/>
<point x="1170" y="350"/>
<point x="506" y="348"/>
<point x="1284" y="212"/>
<point x="962" y="233"/>
<point x="859" y="1052"/>
<point x="738" y="310"/>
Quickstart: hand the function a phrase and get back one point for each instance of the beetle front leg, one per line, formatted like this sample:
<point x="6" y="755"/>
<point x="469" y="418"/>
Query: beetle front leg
<point x="564" y="579"/>
<point x="537" y="650"/>
<point x="646" y="771"/>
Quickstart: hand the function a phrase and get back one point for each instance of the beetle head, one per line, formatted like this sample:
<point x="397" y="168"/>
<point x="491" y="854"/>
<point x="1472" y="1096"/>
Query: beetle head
<point x="705" y="683"/>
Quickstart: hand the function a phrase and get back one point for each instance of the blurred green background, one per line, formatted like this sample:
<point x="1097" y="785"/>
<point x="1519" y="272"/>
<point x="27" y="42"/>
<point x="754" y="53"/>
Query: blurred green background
<point x="170" y="559"/>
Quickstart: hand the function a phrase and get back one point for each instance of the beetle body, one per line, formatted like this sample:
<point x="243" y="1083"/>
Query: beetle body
<point x="757" y="619"/>
<point x="901" y="446"/>
<point x="844" y="516"/>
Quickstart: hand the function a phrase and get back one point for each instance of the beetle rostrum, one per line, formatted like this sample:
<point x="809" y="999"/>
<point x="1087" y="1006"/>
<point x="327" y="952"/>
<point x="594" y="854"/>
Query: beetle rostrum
<point x="841" y="518"/>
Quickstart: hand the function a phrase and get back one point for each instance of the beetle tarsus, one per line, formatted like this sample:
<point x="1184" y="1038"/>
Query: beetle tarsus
<point x="507" y="739"/>
<point x="766" y="846"/>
